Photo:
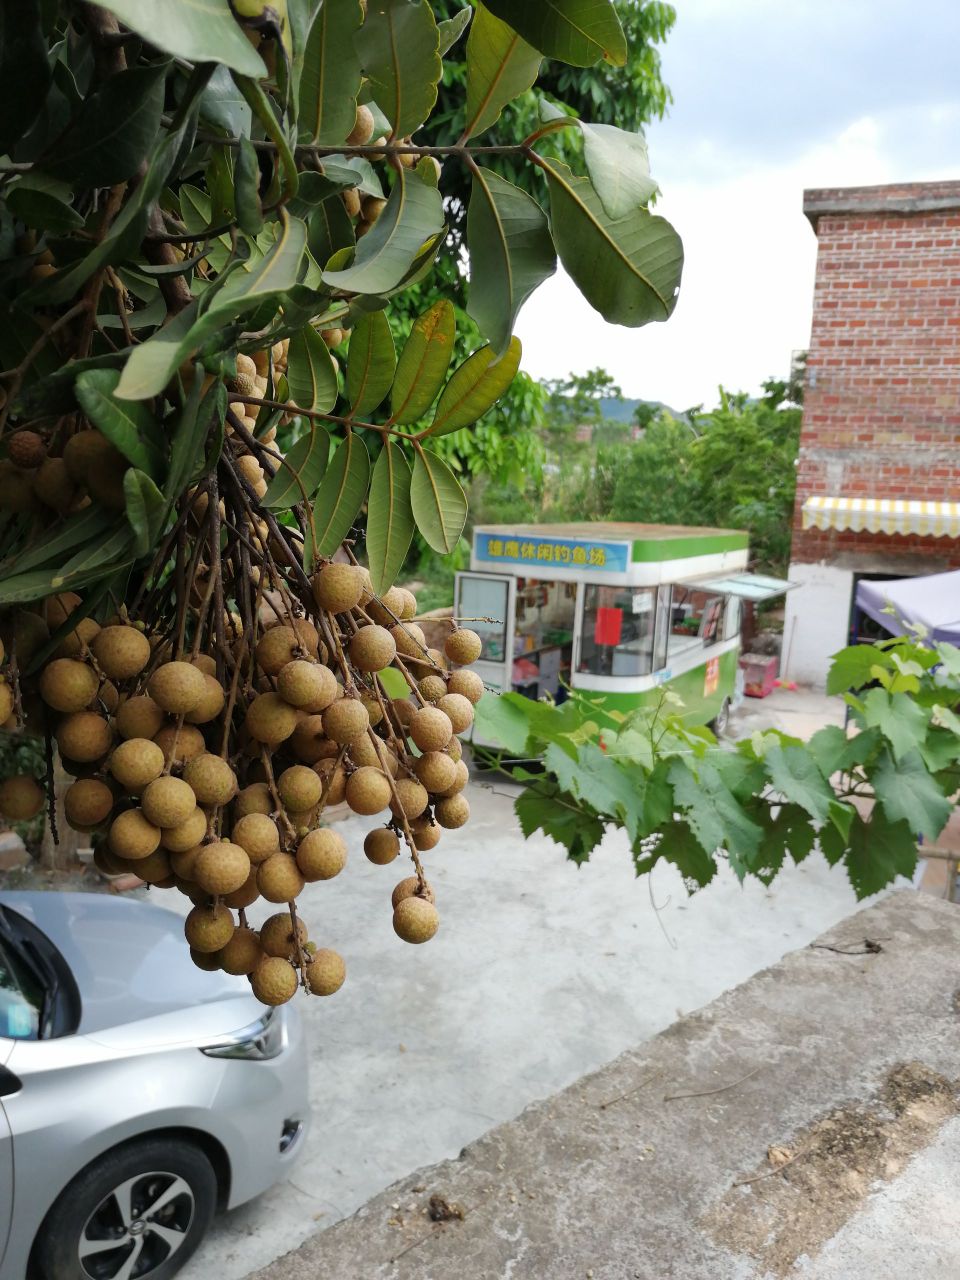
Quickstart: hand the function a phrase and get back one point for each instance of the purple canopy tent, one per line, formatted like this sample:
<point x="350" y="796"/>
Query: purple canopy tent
<point x="932" y="602"/>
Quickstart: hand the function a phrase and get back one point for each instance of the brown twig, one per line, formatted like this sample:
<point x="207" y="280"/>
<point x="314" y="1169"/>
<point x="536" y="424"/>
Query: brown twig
<point x="709" y="1093"/>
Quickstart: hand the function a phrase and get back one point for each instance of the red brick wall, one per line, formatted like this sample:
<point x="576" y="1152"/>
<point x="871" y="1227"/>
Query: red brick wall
<point x="882" y="406"/>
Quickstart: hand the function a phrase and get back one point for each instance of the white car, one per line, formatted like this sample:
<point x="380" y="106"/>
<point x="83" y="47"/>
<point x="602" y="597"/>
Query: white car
<point x="138" y="1094"/>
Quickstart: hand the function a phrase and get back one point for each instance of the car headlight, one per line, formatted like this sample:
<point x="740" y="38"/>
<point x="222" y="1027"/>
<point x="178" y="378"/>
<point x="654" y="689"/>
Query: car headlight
<point x="263" y="1039"/>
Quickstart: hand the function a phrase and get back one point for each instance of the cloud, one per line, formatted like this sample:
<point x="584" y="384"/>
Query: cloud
<point x="746" y="298"/>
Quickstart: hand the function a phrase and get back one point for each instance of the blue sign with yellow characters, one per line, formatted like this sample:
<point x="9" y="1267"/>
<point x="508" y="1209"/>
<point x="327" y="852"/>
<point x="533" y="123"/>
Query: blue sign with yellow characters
<point x="607" y="557"/>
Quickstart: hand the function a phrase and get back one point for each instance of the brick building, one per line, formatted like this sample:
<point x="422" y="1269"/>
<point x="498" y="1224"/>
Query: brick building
<point x="878" y="485"/>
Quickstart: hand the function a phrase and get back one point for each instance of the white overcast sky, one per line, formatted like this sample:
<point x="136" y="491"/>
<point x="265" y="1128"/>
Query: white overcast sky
<point x="771" y="96"/>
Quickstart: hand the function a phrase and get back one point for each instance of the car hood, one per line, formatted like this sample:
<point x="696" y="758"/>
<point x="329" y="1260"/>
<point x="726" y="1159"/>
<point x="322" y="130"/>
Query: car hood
<point x="130" y="961"/>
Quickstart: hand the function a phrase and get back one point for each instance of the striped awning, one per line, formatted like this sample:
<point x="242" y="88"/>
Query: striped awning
<point x="883" y="515"/>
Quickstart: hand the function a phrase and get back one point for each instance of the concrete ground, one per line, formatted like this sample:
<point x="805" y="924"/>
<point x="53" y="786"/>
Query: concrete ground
<point x="541" y="973"/>
<point x="802" y="1125"/>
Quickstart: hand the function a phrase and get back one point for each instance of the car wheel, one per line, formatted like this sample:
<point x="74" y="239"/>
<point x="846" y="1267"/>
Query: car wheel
<point x="137" y="1213"/>
<point x="721" y="721"/>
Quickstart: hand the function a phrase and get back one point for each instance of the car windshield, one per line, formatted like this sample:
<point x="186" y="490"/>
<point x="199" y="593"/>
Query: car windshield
<point x="22" y="995"/>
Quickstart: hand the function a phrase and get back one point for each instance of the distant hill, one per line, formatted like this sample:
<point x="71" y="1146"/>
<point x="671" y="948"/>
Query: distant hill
<point x="615" y="410"/>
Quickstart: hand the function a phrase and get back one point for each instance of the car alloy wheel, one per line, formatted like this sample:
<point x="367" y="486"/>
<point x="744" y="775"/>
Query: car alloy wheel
<point x="137" y="1227"/>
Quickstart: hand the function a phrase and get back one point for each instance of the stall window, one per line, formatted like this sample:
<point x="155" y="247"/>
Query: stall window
<point x="618" y="631"/>
<point x="697" y="620"/>
<point x="485" y="598"/>
<point x="731" y="623"/>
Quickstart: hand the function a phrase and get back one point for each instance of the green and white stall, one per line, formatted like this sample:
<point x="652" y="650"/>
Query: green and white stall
<point x="619" y="610"/>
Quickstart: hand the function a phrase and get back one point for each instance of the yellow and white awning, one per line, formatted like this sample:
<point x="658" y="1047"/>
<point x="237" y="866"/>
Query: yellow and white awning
<point x="884" y="515"/>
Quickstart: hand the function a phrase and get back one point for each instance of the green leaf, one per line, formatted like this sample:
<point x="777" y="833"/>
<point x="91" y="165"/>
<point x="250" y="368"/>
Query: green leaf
<point x="413" y="214"/>
<point x="619" y="168"/>
<point x="714" y="815"/>
<point x="901" y="720"/>
<point x="500" y="66"/>
<point x="501" y="721"/>
<point x="190" y="433"/>
<point x="628" y="269"/>
<point x="511" y="254"/>
<point x="43" y="203"/>
<point x="24" y="70"/>
<point x="331" y="74"/>
<point x="222" y="104"/>
<point x="301" y="471"/>
<point x="451" y="29"/>
<point x="795" y="774"/>
<point x="423" y="363"/>
<point x="389" y="517"/>
<point x="132" y="428"/>
<point x="852" y="668"/>
<point x="154" y="362"/>
<point x="950" y="657"/>
<point x="578" y="32"/>
<point x="835" y="752"/>
<point x="81" y="527"/>
<point x="145" y="508"/>
<point x="545" y="807"/>
<point x="200" y="30"/>
<point x="94" y="561"/>
<point x="680" y="846"/>
<point x="439" y="504"/>
<point x="790" y="831"/>
<point x="311" y="374"/>
<point x="371" y="363"/>
<point x="880" y="850"/>
<point x="113" y="130"/>
<point x="399" y="46"/>
<point x="246" y="185"/>
<point x="330" y="230"/>
<point x="474" y="386"/>
<point x="906" y="791"/>
<point x="341" y="494"/>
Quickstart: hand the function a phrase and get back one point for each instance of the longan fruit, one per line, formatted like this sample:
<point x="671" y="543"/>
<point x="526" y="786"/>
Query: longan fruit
<point x="459" y="782"/>
<point x="338" y="587"/>
<point x="368" y="790"/>
<point x="466" y="683"/>
<point x="76" y="642"/>
<point x="463" y="646"/>
<point x="381" y="845"/>
<point x="255" y="798"/>
<point x="279" y="878"/>
<point x="371" y="208"/>
<point x="387" y="609"/>
<point x="207" y="929"/>
<point x="436" y="771"/>
<point x="154" y="868"/>
<point x="168" y="802"/>
<point x="136" y="763"/>
<point x="242" y="953"/>
<point x="179" y="746"/>
<point x="432" y="688"/>
<point x="68" y="685"/>
<point x="87" y="803"/>
<point x="459" y="710"/>
<point x="21" y="798"/>
<point x="269" y="719"/>
<point x="309" y="743"/>
<point x="411" y="885"/>
<point x="325" y="972"/>
<point x="211" y="702"/>
<point x="415" y="920"/>
<point x="363" y="752"/>
<point x="139" y="717"/>
<point x="276" y="648"/>
<point x="274" y="981"/>
<point x="27" y="449"/>
<point x="321" y="854"/>
<point x="208" y="961"/>
<point x="345" y="720"/>
<point x="6" y="702"/>
<point x="299" y="788"/>
<point x="53" y="486"/>
<point x="411" y="798"/>
<point x="211" y="779"/>
<point x="185" y="860"/>
<point x="221" y="867"/>
<point x="452" y="811"/>
<point x="258" y="835"/>
<point x="206" y="663"/>
<point x="307" y="684"/>
<point x="334" y="778"/>
<point x="84" y="736"/>
<point x="121" y="651"/>
<point x="132" y="836"/>
<point x="409" y="639"/>
<point x="351" y="201"/>
<point x="430" y="728"/>
<point x="372" y="648"/>
<point x="177" y="687"/>
<point x="426" y="833"/>
<point x="187" y="834"/>
<point x="276" y="935"/>
<point x="363" y="126"/>
<point x="246" y="895"/>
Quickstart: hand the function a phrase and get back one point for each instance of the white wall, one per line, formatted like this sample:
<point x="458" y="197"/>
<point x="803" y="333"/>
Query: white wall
<point x="817" y="621"/>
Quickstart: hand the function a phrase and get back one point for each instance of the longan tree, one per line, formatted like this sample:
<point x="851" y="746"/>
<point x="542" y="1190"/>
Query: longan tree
<point x="208" y="212"/>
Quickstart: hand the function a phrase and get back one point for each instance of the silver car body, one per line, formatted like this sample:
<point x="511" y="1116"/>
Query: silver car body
<point x="134" y="1067"/>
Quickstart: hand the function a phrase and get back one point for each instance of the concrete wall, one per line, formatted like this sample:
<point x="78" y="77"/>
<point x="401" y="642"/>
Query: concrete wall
<point x="815" y="626"/>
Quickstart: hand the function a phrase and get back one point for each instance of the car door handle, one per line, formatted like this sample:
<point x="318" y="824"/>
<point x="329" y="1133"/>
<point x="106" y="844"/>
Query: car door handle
<point x="9" y="1083"/>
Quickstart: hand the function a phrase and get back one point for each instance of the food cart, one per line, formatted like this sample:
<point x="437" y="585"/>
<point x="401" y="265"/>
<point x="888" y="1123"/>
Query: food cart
<point x="619" y="610"/>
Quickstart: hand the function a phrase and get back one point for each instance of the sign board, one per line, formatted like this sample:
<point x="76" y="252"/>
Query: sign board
<point x="573" y="553"/>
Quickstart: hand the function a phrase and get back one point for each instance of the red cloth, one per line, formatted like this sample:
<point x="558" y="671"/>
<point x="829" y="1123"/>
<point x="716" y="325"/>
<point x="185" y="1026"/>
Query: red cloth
<point x="608" y="627"/>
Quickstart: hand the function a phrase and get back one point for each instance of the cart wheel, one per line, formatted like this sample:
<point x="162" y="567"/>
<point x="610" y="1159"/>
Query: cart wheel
<point x="721" y="721"/>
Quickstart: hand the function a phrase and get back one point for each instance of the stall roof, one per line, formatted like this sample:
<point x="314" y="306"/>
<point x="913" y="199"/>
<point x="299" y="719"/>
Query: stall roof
<point x="748" y="586"/>
<point x="649" y="542"/>
<point x="932" y="602"/>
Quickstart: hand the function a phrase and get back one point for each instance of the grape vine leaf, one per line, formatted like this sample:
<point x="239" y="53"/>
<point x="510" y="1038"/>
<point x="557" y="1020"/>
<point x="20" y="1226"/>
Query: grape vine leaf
<point x="545" y="807"/>
<point x="880" y="849"/>
<point x="796" y="775"/>
<point x="906" y="791"/>
<point x="714" y="815"/>
<point x="901" y="720"/>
